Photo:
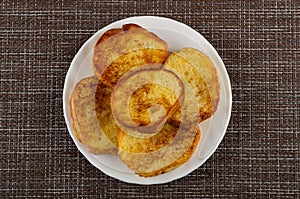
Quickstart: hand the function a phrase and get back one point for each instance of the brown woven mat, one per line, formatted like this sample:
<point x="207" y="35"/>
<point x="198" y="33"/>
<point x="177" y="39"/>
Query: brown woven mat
<point x="259" y="42"/>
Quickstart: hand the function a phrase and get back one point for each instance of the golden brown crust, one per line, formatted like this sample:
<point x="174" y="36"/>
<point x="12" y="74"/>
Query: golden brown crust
<point x="108" y="34"/>
<point x="93" y="123"/>
<point x="160" y="153"/>
<point x="181" y="160"/>
<point x="130" y="26"/>
<point x="111" y="32"/>
<point x="124" y="49"/>
<point x="144" y="99"/>
<point x="195" y="67"/>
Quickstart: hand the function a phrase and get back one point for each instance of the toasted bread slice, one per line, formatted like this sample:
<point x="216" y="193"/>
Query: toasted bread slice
<point x="144" y="99"/>
<point x="198" y="70"/>
<point x="119" y="50"/>
<point x="93" y="122"/>
<point x="160" y="153"/>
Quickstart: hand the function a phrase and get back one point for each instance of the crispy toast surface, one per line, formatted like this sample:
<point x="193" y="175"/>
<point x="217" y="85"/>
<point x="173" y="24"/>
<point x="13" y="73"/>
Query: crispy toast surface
<point x="198" y="70"/>
<point x="93" y="122"/>
<point x="160" y="153"/>
<point x="119" y="50"/>
<point x="143" y="100"/>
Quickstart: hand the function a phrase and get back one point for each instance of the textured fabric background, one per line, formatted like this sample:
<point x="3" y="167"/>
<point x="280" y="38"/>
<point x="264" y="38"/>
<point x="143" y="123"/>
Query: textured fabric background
<point x="259" y="42"/>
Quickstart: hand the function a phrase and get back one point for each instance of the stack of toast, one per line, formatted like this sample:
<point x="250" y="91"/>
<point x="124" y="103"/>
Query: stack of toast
<point x="144" y="103"/>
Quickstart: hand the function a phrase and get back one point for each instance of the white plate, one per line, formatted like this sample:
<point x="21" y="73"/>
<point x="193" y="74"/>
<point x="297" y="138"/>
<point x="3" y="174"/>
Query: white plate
<point x="177" y="35"/>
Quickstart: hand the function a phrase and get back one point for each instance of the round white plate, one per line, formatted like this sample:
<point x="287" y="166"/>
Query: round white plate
<point x="178" y="36"/>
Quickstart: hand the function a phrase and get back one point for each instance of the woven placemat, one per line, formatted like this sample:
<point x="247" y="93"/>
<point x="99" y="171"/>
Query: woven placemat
<point x="259" y="42"/>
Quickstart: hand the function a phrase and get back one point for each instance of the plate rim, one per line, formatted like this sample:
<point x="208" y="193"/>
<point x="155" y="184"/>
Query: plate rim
<point x="154" y="180"/>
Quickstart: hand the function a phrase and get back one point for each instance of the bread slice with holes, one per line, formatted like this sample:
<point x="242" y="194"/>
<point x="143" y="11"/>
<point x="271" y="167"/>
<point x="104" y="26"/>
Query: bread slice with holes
<point x="93" y="123"/>
<point x="144" y="99"/>
<point x="194" y="67"/>
<point x="158" y="153"/>
<point x="119" y="50"/>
